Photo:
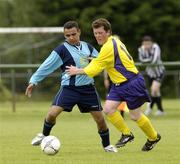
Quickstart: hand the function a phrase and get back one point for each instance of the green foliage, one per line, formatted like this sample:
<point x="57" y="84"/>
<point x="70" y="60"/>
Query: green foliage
<point x="131" y="19"/>
<point x="5" y="94"/>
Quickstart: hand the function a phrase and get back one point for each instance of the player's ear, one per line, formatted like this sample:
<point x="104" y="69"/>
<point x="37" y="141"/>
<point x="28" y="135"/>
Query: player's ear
<point x="109" y="32"/>
<point x="79" y="31"/>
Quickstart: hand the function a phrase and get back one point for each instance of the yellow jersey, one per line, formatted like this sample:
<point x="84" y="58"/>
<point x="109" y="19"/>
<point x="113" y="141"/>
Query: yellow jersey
<point x="115" y="58"/>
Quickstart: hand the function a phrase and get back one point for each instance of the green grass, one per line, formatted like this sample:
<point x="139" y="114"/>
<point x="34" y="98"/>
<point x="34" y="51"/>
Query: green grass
<point x="79" y="138"/>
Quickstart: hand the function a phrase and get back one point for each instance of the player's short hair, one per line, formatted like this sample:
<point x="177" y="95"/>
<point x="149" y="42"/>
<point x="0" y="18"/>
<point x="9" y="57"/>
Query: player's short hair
<point x="101" y="22"/>
<point x="71" y="24"/>
<point x="147" y="38"/>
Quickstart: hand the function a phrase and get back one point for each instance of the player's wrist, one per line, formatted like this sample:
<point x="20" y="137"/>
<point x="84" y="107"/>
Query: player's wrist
<point x="80" y="71"/>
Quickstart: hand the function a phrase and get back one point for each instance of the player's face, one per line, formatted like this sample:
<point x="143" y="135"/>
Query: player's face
<point x="72" y="35"/>
<point x="147" y="44"/>
<point x="101" y="35"/>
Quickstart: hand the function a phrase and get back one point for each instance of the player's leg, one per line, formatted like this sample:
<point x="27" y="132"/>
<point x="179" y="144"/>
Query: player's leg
<point x="155" y="89"/>
<point x="117" y="120"/>
<point x="145" y="124"/>
<point x="135" y="99"/>
<point x="103" y="130"/>
<point x="49" y="122"/>
<point x="90" y="102"/>
<point x="99" y="119"/>
<point x="150" y="105"/>
<point x="63" y="101"/>
<point x="114" y="117"/>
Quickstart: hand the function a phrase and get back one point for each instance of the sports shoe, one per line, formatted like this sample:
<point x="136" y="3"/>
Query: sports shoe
<point x="37" y="140"/>
<point x="159" y="113"/>
<point x="150" y="144"/>
<point x="110" y="148"/>
<point x="124" y="140"/>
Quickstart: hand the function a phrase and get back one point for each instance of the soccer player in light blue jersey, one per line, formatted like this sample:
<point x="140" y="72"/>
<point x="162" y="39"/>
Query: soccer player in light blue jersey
<point x="75" y="90"/>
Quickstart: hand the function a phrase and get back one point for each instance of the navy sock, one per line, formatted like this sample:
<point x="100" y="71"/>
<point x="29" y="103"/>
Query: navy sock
<point x="153" y="101"/>
<point x="47" y="128"/>
<point x="159" y="103"/>
<point x="105" y="137"/>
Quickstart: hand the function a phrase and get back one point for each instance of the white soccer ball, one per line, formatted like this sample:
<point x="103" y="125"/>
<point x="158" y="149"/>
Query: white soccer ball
<point x="50" y="145"/>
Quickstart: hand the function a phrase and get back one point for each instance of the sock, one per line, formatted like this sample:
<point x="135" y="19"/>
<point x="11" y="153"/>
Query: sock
<point x="146" y="126"/>
<point x="159" y="103"/>
<point x="117" y="120"/>
<point x="153" y="101"/>
<point x="104" y="137"/>
<point x="47" y="128"/>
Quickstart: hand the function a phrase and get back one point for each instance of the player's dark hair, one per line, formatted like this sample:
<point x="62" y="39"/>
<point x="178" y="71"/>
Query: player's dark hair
<point x="147" y="38"/>
<point x="71" y="24"/>
<point x="101" y="22"/>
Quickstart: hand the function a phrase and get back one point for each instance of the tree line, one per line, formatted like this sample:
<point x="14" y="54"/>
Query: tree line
<point x="130" y="19"/>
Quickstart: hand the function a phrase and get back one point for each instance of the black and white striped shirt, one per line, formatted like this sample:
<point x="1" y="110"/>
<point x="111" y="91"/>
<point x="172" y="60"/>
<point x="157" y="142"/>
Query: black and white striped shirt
<point x="152" y="56"/>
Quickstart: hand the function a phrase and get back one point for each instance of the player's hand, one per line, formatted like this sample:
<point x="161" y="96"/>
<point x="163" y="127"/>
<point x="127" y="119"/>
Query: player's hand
<point x="29" y="90"/>
<point x="72" y="70"/>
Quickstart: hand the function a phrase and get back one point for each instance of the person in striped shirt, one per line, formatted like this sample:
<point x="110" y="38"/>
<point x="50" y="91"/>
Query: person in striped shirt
<point x="77" y="90"/>
<point x="150" y="53"/>
<point x="127" y="84"/>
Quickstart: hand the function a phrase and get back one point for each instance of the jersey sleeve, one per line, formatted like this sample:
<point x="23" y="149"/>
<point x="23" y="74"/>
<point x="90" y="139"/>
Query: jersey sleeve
<point x="93" y="51"/>
<point x="143" y="57"/>
<point x="47" y="67"/>
<point x="98" y="64"/>
<point x="156" y="53"/>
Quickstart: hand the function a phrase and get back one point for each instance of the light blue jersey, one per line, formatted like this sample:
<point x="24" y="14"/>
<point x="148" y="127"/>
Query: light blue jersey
<point x="66" y="55"/>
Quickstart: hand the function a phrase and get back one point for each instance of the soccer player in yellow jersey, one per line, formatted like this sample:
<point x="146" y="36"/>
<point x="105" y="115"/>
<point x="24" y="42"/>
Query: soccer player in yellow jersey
<point x="128" y="84"/>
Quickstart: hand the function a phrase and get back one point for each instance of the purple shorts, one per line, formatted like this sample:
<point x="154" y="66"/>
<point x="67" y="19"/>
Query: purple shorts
<point x="133" y="91"/>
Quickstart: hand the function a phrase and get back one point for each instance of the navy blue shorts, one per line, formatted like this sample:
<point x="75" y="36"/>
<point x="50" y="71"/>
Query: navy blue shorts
<point x="85" y="97"/>
<point x="134" y="92"/>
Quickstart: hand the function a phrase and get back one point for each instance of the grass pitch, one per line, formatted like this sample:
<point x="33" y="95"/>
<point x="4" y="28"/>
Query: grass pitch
<point x="80" y="141"/>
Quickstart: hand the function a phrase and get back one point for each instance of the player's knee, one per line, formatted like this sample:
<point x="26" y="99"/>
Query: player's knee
<point x="155" y="93"/>
<point x="135" y="115"/>
<point x="108" y="111"/>
<point x="51" y="116"/>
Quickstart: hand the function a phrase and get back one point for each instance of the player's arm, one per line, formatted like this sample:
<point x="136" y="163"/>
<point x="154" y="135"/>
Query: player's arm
<point x="95" y="67"/>
<point x="47" y="67"/>
<point x="91" y="70"/>
<point x="106" y="79"/>
<point x="98" y="64"/>
<point x="29" y="90"/>
<point x="156" y="54"/>
<point x="142" y="56"/>
<point x="93" y="53"/>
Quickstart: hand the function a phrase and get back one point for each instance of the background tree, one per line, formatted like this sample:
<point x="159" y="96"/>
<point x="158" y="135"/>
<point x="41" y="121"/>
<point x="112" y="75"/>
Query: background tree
<point x="131" y="19"/>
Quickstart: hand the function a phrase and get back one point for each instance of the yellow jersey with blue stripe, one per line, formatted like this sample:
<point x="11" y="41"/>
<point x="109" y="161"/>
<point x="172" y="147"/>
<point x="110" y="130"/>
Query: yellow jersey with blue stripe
<point x="115" y="58"/>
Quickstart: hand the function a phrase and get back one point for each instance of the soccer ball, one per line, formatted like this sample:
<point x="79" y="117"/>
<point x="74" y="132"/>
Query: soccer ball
<point x="50" y="145"/>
